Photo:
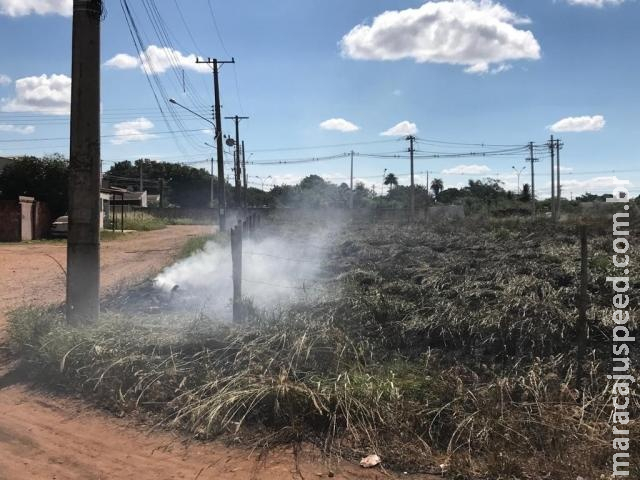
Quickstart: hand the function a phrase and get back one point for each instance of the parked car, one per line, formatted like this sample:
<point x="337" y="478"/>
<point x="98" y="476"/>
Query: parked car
<point x="60" y="228"/>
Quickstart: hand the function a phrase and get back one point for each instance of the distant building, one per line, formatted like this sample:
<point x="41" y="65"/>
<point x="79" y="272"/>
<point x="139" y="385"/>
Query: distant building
<point x="133" y="199"/>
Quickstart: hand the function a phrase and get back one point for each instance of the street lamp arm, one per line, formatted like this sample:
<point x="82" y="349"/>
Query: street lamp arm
<point x="171" y="100"/>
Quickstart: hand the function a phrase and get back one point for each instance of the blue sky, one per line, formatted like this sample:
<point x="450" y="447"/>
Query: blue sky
<point x="462" y="71"/>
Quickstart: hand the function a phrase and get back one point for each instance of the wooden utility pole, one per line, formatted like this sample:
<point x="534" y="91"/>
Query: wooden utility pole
<point x="412" y="207"/>
<point x="83" y="246"/>
<point x="581" y="327"/>
<point x="551" y="145"/>
<point x="533" y="179"/>
<point x="219" y="147"/>
<point x="237" y="167"/>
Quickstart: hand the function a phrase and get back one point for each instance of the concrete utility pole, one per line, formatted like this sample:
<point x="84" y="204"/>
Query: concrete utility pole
<point x="412" y="208"/>
<point x="244" y="175"/>
<point x="238" y="168"/>
<point x="533" y="179"/>
<point x="83" y="246"/>
<point x="211" y="186"/>
<point x="219" y="147"/>
<point x="558" y="191"/>
<point x="551" y="145"/>
<point x="351" y="184"/>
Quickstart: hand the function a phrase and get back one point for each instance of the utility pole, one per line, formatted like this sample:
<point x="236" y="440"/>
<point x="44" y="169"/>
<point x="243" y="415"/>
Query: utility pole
<point x="83" y="246"/>
<point x="244" y="175"/>
<point x="551" y="145"/>
<point x="238" y="168"/>
<point x="412" y="207"/>
<point x="218" y="122"/>
<point x="211" y="186"/>
<point x="533" y="179"/>
<point x="558" y="191"/>
<point x="140" y="172"/>
<point x="351" y="184"/>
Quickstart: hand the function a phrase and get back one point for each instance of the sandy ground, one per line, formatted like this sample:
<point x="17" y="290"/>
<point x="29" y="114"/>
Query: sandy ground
<point x="58" y="438"/>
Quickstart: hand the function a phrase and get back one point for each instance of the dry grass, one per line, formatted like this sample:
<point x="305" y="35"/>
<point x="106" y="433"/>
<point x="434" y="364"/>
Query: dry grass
<point x="443" y="345"/>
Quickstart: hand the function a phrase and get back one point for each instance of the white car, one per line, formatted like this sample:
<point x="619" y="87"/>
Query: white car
<point x="60" y="228"/>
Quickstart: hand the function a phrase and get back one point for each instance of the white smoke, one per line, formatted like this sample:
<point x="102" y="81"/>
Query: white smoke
<point x="276" y="271"/>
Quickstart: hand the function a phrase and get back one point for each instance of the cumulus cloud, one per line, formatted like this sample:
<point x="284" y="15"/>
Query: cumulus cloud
<point x="467" y="170"/>
<point x="123" y="61"/>
<point x="595" y="3"/>
<point x="157" y="60"/>
<point x="22" y="129"/>
<point x="132" y="131"/>
<point x="19" y="8"/>
<point x="401" y="129"/>
<point x="4" y="79"/>
<point x="579" y="124"/>
<point x="44" y="94"/>
<point x="473" y="33"/>
<point x="339" y="124"/>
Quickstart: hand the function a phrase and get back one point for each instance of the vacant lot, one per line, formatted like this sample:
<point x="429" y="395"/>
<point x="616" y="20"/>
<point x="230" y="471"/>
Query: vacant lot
<point x="48" y="437"/>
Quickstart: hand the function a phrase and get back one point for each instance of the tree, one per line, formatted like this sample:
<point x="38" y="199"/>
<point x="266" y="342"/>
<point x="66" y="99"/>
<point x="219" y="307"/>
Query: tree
<point x="437" y="186"/>
<point x="45" y="179"/>
<point x="525" y="195"/>
<point x="186" y="186"/>
<point x="391" y="180"/>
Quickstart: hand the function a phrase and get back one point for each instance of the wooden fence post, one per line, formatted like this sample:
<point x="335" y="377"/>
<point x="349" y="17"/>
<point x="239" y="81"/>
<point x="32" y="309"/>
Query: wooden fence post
<point x="236" y="259"/>
<point x="581" y="327"/>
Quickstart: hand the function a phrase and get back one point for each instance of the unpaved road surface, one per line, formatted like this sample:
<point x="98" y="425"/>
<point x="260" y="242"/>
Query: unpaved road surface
<point x="49" y="437"/>
<point x="34" y="273"/>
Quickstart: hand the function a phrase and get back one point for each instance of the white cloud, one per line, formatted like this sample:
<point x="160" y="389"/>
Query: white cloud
<point x="401" y="129"/>
<point x="4" y="79"/>
<point x="19" y="8"/>
<point x="132" y="131"/>
<point x="579" y="124"/>
<point x="596" y="183"/>
<point x="123" y="61"/>
<point x="43" y="94"/>
<point x="467" y="170"/>
<point x="157" y="60"/>
<point x="339" y="124"/>
<point x="475" y="33"/>
<point x="566" y="169"/>
<point x="21" y="129"/>
<point x="595" y="3"/>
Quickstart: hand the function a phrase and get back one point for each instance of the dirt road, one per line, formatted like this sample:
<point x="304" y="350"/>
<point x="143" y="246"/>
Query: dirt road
<point x="49" y="437"/>
<point x="34" y="273"/>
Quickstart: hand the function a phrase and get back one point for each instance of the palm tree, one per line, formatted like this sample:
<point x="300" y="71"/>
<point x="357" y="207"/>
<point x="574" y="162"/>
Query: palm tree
<point x="437" y="186"/>
<point x="391" y="180"/>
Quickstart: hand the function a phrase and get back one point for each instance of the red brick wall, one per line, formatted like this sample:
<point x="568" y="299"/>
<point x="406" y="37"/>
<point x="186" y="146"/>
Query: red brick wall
<point x="10" y="221"/>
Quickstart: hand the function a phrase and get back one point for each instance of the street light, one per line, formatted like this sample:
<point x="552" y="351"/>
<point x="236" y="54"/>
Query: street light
<point x="518" y="173"/>
<point x="221" y="199"/>
<point x="263" y="180"/>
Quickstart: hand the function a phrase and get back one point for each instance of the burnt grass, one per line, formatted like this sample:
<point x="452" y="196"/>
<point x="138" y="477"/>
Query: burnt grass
<point x="443" y="347"/>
